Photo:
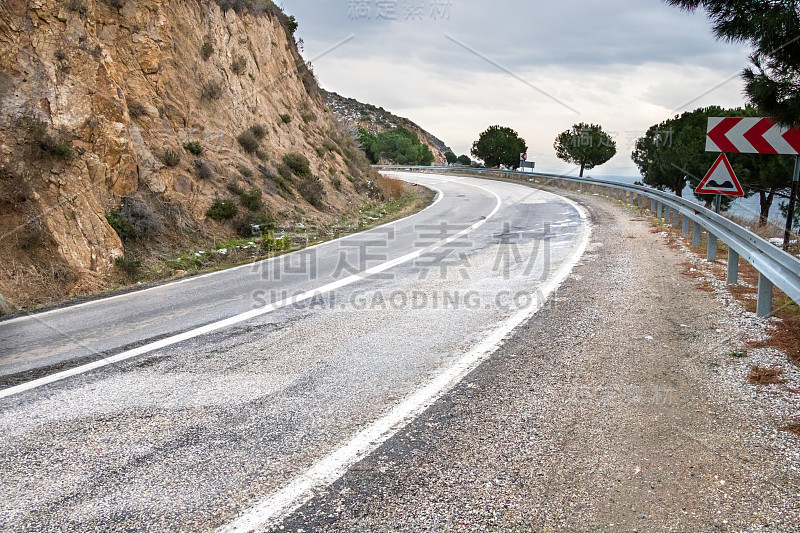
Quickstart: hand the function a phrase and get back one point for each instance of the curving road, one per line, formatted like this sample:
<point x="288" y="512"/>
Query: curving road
<point x="224" y="401"/>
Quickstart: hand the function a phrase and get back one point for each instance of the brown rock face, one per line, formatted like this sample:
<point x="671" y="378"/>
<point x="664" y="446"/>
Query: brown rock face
<point x="95" y="95"/>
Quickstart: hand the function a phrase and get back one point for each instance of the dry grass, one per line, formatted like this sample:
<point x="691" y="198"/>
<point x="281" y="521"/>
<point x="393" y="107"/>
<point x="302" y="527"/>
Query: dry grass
<point x="391" y="188"/>
<point x="771" y="230"/>
<point x="28" y="286"/>
<point x="786" y="335"/>
<point x="765" y="376"/>
<point x="792" y="428"/>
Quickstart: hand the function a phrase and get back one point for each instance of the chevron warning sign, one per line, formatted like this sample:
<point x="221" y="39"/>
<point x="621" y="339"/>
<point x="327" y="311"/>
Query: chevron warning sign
<point x="720" y="180"/>
<point x="751" y="135"/>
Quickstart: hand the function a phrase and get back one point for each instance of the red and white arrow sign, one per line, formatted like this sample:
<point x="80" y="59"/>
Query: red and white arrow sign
<point x="720" y="180"/>
<point x="751" y="135"/>
<point x="523" y="156"/>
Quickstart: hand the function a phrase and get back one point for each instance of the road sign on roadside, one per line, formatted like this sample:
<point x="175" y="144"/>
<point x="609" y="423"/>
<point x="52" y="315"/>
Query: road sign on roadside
<point x="720" y="180"/>
<point x="523" y="156"/>
<point x="751" y="135"/>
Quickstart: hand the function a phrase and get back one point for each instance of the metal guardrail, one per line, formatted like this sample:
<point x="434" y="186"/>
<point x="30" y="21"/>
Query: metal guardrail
<point x="776" y="267"/>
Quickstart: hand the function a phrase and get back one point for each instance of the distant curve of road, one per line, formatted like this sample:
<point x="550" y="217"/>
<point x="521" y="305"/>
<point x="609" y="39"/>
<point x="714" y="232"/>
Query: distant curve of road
<point x="219" y="401"/>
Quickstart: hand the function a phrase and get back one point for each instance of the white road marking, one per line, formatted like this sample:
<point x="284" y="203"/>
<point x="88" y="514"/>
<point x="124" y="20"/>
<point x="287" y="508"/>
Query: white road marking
<point x="221" y="324"/>
<point x="299" y="490"/>
<point x="36" y="316"/>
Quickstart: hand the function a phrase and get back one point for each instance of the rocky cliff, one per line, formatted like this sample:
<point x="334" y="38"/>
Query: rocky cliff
<point x="160" y="106"/>
<point x="376" y="120"/>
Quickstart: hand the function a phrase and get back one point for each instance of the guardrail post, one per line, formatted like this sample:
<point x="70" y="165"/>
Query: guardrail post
<point x="617" y="194"/>
<point x="697" y="234"/>
<point x="685" y="225"/>
<point x="712" y="247"/>
<point x="653" y="205"/>
<point x="764" y="305"/>
<point x="659" y="209"/>
<point x="733" y="267"/>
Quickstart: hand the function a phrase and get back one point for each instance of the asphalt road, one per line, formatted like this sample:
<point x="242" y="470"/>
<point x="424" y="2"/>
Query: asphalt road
<point x="226" y="400"/>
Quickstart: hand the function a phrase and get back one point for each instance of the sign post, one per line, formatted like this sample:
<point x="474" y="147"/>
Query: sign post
<point x="792" y="199"/>
<point x="720" y="181"/>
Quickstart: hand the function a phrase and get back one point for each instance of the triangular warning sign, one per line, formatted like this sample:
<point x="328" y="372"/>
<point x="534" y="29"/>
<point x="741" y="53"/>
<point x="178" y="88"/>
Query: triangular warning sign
<point x="720" y="180"/>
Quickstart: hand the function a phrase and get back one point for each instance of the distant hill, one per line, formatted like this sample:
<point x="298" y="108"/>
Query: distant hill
<point x="376" y="119"/>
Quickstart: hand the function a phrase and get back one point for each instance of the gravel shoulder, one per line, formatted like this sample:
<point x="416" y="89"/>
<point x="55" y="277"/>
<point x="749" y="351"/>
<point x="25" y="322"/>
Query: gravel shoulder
<point x="618" y="407"/>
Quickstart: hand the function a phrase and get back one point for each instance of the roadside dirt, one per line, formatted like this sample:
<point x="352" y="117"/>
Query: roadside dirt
<point x="623" y="406"/>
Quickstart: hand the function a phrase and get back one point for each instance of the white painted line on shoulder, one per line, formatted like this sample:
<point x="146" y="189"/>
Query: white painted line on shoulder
<point x="299" y="490"/>
<point x="222" y="324"/>
<point x="133" y="294"/>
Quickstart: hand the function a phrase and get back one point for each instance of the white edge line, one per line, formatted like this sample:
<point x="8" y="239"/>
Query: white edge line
<point x="299" y="490"/>
<point x="242" y="317"/>
<point x="262" y="262"/>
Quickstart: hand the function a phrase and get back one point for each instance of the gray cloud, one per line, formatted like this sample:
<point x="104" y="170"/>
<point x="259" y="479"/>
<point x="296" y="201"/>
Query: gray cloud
<point x="625" y="64"/>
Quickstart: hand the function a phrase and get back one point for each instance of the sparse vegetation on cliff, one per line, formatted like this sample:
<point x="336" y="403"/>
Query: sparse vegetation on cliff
<point x="140" y="149"/>
<point x="222" y="210"/>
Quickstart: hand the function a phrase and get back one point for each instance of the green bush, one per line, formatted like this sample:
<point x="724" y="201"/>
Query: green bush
<point x="259" y="130"/>
<point x="131" y="267"/>
<point x="244" y="171"/>
<point x="286" y="118"/>
<point x="211" y="90"/>
<point x="252" y="199"/>
<point x="337" y="183"/>
<point x="298" y="163"/>
<point x="282" y="180"/>
<point x="135" y="219"/>
<point x="170" y="158"/>
<point x="206" y="50"/>
<point x="248" y="141"/>
<point x="60" y="148"/>
<point x="56" y="146"/>
<point x="244" y="223"/>
<point x="284" y="171"/>
<point x="239" y="65"/>
<point x="121" y="224"/>
<point x="311" y="191"/>
<point x="222" y="210"/>
<point x="397" y="145"/>
<point x="273" y="244"/>
<point x="193" y="147"/>
<point x="234" y="187"/>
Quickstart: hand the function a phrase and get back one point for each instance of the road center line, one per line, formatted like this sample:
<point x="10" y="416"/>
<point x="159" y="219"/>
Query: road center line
<point x="221" y="324"/>
<point x="299" y="490"/>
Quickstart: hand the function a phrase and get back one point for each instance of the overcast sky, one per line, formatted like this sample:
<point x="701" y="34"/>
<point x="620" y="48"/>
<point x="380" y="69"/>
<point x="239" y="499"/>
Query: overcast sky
<point x="458" y="66"/>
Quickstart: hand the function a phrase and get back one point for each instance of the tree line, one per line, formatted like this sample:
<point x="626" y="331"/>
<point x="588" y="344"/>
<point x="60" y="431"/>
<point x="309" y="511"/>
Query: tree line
<point x="671" y="154"/>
